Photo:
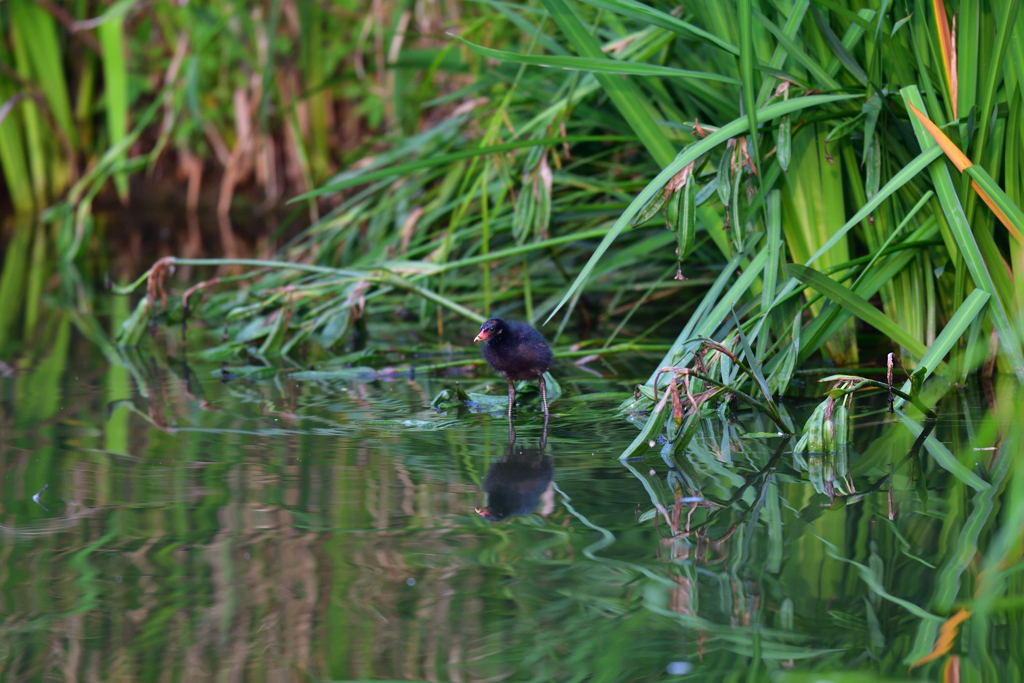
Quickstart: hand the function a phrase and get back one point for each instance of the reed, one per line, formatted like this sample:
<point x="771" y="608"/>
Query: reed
<point x="563" y="131"/>
<point x="273" y="98"/>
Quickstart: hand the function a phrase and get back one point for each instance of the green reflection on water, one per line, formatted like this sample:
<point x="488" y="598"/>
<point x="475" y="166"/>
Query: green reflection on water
<point x="272" y="528"/>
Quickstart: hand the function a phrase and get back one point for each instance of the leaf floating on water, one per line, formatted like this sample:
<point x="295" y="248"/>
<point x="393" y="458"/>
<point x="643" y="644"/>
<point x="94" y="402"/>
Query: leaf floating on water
<point x="448" y="397"/>
<point x="442" y="399"/>
<point x="530" y="390"/>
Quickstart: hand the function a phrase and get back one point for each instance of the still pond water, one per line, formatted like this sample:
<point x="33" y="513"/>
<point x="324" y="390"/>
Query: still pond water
<point x="162" y="524"/>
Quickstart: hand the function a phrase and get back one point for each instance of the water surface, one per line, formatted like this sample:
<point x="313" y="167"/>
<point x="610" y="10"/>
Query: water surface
<point x="162" y="524"/>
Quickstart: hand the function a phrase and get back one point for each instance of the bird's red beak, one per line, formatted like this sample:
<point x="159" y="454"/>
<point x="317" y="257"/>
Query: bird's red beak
<point x="481" y="511"/>
<point x="483" y="336"/>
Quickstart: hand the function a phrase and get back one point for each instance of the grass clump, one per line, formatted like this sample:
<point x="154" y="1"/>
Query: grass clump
<point x="818" y="205"/>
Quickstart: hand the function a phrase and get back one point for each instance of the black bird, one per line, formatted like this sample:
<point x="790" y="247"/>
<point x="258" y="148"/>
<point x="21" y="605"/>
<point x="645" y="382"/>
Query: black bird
<point x="517" y="352"/>
<point x="515" y="483"/>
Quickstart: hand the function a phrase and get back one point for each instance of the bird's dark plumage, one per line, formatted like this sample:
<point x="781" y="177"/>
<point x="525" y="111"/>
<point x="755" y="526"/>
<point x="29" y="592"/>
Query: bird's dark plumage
<point x="514" y="349"/>
<point x="517" y="352"/>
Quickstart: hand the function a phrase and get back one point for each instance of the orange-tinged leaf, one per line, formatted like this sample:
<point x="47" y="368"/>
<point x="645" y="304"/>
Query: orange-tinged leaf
<point x="1003" y="218"/>
<point x="947" y="634"/>
<point x="946" y="43"/>
<point x="958" y="158"/>
<point x="962" y="163"/>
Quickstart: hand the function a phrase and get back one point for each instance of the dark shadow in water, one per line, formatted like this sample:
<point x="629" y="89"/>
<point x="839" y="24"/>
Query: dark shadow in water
<point x="515" y="483"/>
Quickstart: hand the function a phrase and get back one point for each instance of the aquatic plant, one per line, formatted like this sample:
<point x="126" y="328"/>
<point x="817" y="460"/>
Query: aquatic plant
<point x="500" y="182"/>
<point x="798" y="158"/>
<point x="265" y="98"/>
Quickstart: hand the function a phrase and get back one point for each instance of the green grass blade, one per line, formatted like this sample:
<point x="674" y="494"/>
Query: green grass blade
<point x="530" y="30"/>
<point x="1014" y="179"/>
<point x="12" y="154"/>
<point x="770" y="279"/>
<point x="706" y="325"/>
<point x="102" y="168"/>
<point x="991" y="187"/>
<point x="858" y="306"/>
<point x="971" y="308"/>
<point x="976" y="266"/>
<point x="832" y="317"/>
<point x="812" y="65"/>
<point x="689" y="330"/>
<point x="596" y="65"/>
<point x="429" y="295"/>
<point x="855" y="19"/>
<point x="690" y="154"/>
<point x="439" y="160"/>
<point x="905" y="175"/>
<point x="793" y="22"/>
<point x="13" y="280"/>
<point x="36" y="140"/>
<point x="311" y="57"/>
<point x="47" y="61"/>
<point x="652" y="17"/>
<point x="968" y="65"/>
<point x="747" y="59"/>
<point x="895" y="233"/>
<point x="837" y="47"/>
<point x="115" y="88"/>
<point x="755" y="366"/>
<point x="995" y="69"/>
<point x="944" y="458"/>
<point x="623" y="92"/>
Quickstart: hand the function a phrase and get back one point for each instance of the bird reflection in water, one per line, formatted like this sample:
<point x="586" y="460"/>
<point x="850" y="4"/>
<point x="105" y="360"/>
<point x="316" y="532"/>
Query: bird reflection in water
<point x="516" y="483"/>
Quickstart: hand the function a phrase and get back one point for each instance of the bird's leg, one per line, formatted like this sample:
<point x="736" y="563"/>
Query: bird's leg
<point x="511" y="432"/>
<point x="511" y="397"/>
<point x="544" y="436"/>
<point x="543" y="396"/>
